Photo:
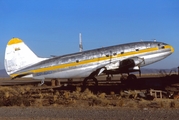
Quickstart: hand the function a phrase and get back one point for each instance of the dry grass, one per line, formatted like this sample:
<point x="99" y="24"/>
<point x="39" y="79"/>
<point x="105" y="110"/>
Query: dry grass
<point x="26" y="96"/>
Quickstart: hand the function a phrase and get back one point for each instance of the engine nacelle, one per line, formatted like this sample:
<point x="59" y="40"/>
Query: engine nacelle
<point x="131" y="62"/>
<point x="125" y="65"/>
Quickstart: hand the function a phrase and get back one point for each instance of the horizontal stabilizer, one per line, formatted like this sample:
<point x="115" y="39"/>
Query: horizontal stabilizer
<point x="21" y="75"/>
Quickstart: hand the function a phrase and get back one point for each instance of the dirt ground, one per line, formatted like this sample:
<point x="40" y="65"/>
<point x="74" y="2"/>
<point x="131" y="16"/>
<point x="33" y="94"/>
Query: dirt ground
<point x="87" y="113"/>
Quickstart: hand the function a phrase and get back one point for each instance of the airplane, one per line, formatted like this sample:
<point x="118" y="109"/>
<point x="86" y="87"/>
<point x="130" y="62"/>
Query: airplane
<point x="20" y="61"/>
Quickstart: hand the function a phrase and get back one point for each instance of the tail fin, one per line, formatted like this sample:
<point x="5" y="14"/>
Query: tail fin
<point x="18" y="56"/>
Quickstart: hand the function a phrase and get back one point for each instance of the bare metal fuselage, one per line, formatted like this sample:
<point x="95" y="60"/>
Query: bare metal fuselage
<point x="82" y="64"/>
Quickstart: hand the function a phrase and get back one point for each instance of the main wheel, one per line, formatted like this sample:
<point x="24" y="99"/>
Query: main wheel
<point x="131" y="77"/>
<point x="90" y="81"/>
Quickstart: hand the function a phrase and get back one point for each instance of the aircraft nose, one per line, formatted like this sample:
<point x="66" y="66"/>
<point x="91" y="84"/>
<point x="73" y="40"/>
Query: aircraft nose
<point x="171" y="48"/>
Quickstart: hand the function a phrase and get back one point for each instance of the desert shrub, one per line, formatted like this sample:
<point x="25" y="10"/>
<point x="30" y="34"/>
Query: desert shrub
<point x="66" y="95"/>
<point x="162" y="104"/>
<point x="8" y="92"/>
<point x="15" y="101"/>
<point x="165" y="103"/>
<point x="172" y="104"/>
<point x="154" y="105"/>
<point x="132" y="104"/>
<point x="142" y="104"/>
<point x="94" y="101"/>
<point x="102" y="95"/>
<point x="1" y="102"/>
<point x="10" y="96"/>
<point x="65" y="102"/>
<point x="38" y="102"/>
<point x="56" y="93"/>
<point x="51" y="101"/>
<point x="26" y="102"/>
<point x="87" y="95"/>
<point x="105" y="102"/>
<point x="120" y="103"/>
<point x="78" y="89"/>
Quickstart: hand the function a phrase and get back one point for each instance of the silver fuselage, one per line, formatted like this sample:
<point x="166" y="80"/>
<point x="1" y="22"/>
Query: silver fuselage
<point x="82" y="64"/>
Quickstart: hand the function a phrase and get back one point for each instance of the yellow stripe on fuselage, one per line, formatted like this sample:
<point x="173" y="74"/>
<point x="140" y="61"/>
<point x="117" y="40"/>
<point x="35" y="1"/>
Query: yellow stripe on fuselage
<point x="72" y="64"/>
<point x="169" y="47"/>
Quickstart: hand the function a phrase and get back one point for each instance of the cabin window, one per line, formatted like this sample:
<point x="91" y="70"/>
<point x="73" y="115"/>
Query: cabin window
<point x="114" y="54"/>
<point x="107" y="55"/>
<point x="163" y="47"/>
<point x="77" y="61"/>
<point x="122" y="52"/>
<point x="137" y="49"/>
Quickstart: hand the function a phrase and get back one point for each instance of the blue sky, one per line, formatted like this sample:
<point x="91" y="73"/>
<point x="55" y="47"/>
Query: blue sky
<point x="52" y="27"/>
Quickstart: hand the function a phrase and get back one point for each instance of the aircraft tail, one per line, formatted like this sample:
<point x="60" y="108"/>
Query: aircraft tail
<point x="18" y="56"/>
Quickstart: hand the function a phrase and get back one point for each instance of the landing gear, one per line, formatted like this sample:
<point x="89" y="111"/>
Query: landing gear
<point x="90" y="81"/>
<point x="109" y="77"/>
<point x="129" y="80"/>
<point x="55" y="82"/>
<point x="42" y="82"/>
<point x="131" y="77"/>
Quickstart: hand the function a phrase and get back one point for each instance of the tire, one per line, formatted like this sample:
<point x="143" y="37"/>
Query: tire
<point x="90" y="81"/>
<point x="131" y="77"/>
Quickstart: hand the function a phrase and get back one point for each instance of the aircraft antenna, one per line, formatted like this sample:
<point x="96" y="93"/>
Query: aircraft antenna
<point x="80" y="43"/>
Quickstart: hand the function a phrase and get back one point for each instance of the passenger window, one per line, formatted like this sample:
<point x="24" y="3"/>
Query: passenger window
<point x="107" y="55"/>
<point x="114" y="54"/>
<point x="163" y="47"/>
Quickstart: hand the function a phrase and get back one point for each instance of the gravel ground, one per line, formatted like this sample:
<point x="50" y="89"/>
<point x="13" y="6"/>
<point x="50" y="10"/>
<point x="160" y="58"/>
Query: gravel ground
<point x="90" y="113"/>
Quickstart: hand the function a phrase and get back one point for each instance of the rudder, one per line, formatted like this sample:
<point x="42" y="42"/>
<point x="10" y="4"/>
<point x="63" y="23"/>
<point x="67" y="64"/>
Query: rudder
<point x="18" y="56"/>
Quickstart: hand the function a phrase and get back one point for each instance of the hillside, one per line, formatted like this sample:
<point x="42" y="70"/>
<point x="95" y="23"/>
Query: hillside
<point x="159" y="71"/>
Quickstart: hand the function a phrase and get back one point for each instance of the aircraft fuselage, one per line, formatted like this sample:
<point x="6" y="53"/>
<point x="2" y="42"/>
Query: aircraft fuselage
<point x="82" y="64"/>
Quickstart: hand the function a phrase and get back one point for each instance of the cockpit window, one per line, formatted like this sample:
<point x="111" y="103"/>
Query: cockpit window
<point x="161" y="45"/>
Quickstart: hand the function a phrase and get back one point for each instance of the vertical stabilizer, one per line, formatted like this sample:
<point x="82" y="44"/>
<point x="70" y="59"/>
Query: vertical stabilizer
<point x="18" y="56"/>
